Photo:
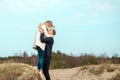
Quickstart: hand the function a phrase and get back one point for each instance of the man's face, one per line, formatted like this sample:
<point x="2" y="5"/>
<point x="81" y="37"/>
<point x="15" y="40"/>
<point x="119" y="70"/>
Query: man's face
<point x="50" y="32"/>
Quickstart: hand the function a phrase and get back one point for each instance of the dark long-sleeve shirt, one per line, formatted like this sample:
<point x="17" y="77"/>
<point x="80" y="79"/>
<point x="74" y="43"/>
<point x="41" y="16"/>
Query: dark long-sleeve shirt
<point x="49" y="44"/>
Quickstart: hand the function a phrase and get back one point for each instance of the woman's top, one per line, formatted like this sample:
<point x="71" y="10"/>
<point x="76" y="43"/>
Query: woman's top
<point x="37" y="39"/>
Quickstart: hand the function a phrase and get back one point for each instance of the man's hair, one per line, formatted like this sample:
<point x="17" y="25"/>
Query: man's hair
<point x="54" y="32"/>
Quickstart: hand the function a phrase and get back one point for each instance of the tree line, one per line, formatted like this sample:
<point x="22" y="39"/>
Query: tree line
<point x="62" y="60"/>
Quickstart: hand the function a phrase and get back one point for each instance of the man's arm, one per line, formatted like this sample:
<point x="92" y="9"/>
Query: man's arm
<point x="45" y="39"/>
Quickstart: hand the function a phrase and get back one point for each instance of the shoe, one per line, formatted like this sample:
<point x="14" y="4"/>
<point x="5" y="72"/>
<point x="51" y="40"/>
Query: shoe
<point x="34" y="47"/>
<point x="36" y="73"/>
<point x="41" y="76"/>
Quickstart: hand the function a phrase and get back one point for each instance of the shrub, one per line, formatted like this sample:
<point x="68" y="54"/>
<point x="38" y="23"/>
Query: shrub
<point x="96" y="70"/>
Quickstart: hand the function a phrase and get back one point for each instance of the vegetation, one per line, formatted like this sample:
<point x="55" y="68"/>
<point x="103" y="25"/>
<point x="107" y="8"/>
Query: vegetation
<point x="117" y="77"/>
<point x="62" y="60"/>
<point x="18" y="67"/>
<point x="13" y="71"/>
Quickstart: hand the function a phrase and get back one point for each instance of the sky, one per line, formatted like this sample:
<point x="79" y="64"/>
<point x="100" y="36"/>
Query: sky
<point x="82" y="26"/>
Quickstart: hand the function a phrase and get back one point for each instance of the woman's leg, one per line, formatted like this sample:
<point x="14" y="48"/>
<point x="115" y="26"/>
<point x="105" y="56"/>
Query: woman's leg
<point x="41" y="55"/>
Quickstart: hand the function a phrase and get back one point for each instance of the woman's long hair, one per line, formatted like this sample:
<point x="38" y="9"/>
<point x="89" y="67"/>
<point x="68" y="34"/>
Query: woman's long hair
<point x="49" y="24"/>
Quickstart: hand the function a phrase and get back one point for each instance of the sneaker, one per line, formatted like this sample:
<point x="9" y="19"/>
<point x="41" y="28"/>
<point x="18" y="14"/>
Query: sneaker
<point x="41" y="76"/>
<point x="34" y="47"/>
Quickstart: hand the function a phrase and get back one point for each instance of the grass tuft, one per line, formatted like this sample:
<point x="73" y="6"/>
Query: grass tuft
<point x="17" y="71"/>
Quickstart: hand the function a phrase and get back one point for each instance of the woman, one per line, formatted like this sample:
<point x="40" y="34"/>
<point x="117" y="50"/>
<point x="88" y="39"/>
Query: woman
<point x="39" y="46"/>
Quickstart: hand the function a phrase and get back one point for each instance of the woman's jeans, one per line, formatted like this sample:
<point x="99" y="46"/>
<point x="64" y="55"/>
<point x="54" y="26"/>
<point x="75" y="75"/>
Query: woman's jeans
<point x="41" y="55"/>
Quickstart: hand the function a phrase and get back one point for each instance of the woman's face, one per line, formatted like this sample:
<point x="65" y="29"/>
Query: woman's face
<point x="48" y="24"/>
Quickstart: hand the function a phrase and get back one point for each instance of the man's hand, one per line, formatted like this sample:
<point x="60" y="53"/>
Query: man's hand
<point x="41" y="30"/>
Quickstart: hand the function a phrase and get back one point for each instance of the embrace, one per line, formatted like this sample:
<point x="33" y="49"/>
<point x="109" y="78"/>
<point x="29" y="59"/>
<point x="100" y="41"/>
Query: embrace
<point x="43" y="44"/>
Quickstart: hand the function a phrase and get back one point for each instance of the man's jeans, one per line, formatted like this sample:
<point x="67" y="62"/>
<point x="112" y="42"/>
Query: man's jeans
<point x="46" y="65"/>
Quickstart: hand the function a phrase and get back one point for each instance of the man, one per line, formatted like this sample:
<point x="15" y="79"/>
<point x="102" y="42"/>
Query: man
<point x="48" y="51"/>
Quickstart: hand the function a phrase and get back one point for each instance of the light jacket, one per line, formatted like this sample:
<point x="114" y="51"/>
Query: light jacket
<point x="37" y="41"/>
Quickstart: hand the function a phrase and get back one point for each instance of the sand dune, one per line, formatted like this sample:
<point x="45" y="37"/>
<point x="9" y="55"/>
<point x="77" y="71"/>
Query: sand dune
<point x="91" y="72"/>
<point x="19" y="71"/>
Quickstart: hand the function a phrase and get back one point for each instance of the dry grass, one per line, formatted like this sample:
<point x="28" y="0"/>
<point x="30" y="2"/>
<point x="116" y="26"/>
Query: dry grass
<point x="99" y="69"/>
<point x="96" y="70"/>
<point x="17" y="71"/>
<point x="117" y="77"/>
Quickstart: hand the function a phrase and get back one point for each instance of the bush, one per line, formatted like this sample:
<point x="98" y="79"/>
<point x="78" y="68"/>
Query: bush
<point x="96" y="70"/>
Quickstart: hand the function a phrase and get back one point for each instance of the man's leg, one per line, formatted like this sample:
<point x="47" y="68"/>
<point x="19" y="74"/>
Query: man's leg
<point x="46" y="66"/>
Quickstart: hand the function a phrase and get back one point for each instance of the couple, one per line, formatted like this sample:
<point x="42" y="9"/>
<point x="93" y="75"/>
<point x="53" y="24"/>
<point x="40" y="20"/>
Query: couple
<point x="43" y="44"/>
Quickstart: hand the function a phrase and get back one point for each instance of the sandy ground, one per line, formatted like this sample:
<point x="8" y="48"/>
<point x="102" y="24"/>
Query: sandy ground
<point x="64" y="74"/>
<point x="92" y="72"/>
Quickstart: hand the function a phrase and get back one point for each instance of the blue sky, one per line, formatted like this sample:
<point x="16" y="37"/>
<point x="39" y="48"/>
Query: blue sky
<point x="83" y="26"/>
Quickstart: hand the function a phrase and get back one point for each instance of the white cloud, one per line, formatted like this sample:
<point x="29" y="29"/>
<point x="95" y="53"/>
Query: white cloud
<point x="118" y="0"/>
<point x="54" y="1"/>
<point x="94" y="14"/>
<point x="80" y="15"/>
<point x="24" y="28"/>
<point x="85" y="15"/>
<point x="26" y="5"/>
<point x="101" y="6"/>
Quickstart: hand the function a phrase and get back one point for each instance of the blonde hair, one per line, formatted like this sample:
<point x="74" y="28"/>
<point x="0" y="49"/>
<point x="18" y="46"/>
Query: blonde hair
<point x="49" y="24"/>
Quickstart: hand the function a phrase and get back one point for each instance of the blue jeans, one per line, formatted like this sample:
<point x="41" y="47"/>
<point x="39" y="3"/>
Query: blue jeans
<point x="41" y="55"/>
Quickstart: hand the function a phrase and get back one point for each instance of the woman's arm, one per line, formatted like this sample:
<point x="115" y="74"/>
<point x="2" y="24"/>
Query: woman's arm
<point x="45" y="30"/>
